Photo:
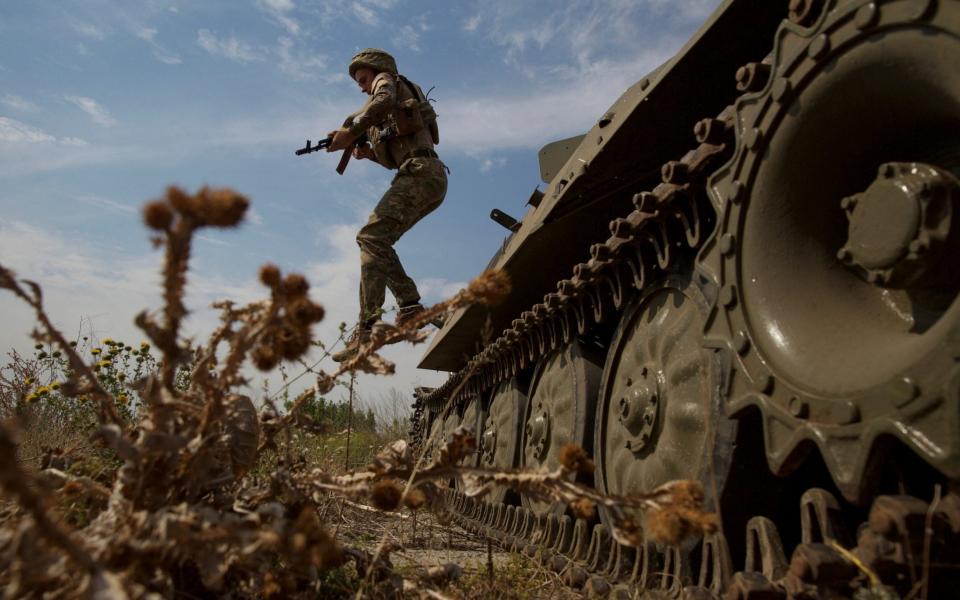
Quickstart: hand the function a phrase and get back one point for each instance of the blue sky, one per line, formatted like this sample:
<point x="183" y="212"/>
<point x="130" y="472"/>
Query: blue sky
<point x="103" y="103"/>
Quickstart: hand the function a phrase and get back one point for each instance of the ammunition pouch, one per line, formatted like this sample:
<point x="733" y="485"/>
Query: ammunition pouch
<point x="411" y="115"/>
<point x="408" y="117"/>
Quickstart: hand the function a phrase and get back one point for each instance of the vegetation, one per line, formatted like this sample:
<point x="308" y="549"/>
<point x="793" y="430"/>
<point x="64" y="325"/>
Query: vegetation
<point x="142" y="470"/>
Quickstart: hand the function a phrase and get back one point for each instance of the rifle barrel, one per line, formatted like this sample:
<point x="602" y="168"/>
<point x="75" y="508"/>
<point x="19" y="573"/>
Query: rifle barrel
<point x="307" y="149"/>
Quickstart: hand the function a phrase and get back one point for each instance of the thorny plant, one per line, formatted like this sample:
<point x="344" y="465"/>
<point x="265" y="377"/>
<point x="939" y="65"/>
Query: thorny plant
<point x="183" y="515"/>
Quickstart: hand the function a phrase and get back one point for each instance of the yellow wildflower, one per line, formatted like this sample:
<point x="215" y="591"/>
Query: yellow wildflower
<point x="104" y="363"/>
<point x="95" y="351"/>
<point x="122" y="398"/>
<point x="28" y="381"/>
<point x="55" y="385"/>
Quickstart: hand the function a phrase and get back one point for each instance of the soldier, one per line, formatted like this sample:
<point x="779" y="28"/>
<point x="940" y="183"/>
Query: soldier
<point x="401" y="127"/>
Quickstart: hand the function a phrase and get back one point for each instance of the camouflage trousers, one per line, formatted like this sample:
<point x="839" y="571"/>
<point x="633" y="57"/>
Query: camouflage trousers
<point x="416" y="190"/>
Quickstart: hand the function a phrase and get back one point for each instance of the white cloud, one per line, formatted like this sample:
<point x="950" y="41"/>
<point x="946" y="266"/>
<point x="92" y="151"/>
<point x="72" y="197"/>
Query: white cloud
<point x="472" y="23"/>
<point x="299" y="65"/>
<point x="407" y="37"/>
<point x="89" y="30"/>
<point x="231" y="47"/>
<point x="107" y="203"/>
<point x="88" y="282"/>
<point x="146" y="33"/>
<point x="366" y="14"/>
<point x="254" y="217"/>
<point x="434" y="289"/>
<point x="149" y="35"/>
<point x="568" y="38"/>
<point x="98" y="113"/>
<point x="556" y="110"/>
<point x="292" y="25"/>
<point x="16" y="132"/>
<point x="167" y="59"/>
<point x="688" y="9"/>
<point x="488" y="164"/>
<point x="278" y="5"/>
<point x="213" y="240"/>
<point x="17" y="103"/>
<point x="83" y="281"/>
<point x="278" y="10"/>
<point x="79" y="281"/>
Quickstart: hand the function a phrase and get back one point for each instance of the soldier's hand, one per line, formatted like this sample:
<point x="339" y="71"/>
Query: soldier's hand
<point x="363" y="152"/>
<point x="341" y="139"/>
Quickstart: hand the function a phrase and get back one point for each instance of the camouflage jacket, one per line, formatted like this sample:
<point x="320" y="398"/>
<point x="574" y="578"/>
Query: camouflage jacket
<point x="375" y="115"/>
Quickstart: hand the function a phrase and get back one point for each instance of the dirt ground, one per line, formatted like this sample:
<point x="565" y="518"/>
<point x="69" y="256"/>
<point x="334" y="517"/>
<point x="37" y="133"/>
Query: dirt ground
<point x="419" y="541"/>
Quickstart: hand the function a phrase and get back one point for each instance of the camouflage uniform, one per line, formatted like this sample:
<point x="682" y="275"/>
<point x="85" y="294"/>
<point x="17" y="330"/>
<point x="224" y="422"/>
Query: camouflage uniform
<point x="418" y="188"/>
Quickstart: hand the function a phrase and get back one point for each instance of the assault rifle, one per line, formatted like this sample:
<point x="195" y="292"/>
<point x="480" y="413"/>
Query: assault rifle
<point x="325" y="143"/>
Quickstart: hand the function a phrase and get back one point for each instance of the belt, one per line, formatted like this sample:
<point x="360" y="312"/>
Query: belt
<point x="420" y="153"/>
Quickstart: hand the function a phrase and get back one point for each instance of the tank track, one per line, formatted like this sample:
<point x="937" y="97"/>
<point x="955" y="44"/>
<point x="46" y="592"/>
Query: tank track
<point x="669" y="224"/>
<point x="641" y="245"/>
<point x="902" y="534"/>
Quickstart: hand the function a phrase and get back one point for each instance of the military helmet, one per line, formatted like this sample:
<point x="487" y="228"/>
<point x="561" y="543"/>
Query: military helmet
<point x="373" y="58"/>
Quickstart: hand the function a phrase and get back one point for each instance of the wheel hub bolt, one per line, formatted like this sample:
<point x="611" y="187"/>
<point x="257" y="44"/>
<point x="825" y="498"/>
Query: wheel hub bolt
<point x="538" y="432"/>
<point x="638" y="411"/>
<point x="489" y="444"/>
<point x="896" y="224"/>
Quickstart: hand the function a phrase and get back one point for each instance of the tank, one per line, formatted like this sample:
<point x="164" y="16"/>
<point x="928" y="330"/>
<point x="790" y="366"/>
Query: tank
<point x="745" y="274"/>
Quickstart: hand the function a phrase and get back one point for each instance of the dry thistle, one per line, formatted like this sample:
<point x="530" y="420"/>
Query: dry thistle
<point x="221" y="207"/>
<point x="183" y="203"/>
<point x="583" y="509"/>
<point x="264" y="358"/>
<point x="304" y="312"/>
<point x="668" y="527"/>
<point x="295" y="285"/>
<point x="575" y="459"/>
<point x="270" y="275"/>
<point x="291" y="343"/>
<point x="491" y="287"/>
<point x="414" y="499"/>
<point x="385" y="495"/>
<point x="157" y="215"/>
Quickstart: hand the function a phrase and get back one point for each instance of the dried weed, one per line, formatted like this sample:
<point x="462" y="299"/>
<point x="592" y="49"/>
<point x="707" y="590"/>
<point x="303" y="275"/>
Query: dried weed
<point x="184" y="514"/>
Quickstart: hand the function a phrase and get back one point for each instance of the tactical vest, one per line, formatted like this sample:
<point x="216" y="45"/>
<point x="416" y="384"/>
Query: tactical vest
<point x="411" y="125"/>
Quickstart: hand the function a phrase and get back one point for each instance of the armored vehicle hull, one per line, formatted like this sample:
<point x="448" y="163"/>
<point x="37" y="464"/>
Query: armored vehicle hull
<point x="745" y="274"/>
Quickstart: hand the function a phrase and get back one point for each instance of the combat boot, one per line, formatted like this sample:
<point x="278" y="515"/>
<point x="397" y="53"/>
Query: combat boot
<point x="360" y="335"/>
<point x="405" y="314"/>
